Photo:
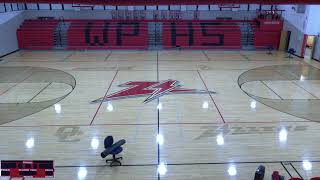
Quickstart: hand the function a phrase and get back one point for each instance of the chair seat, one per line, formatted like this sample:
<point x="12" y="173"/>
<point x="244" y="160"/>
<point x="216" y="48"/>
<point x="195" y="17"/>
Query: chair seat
<point x="117" y="151"/>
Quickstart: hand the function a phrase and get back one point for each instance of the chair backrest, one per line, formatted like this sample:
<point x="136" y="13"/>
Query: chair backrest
<point x="108" y="141"/>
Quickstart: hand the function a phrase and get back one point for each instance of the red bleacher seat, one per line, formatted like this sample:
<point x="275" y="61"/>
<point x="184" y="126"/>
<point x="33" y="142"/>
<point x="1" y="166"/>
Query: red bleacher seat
<point x="103" y="34"/>
<point x="36" y="34"/>
<point x="202" y="35"/>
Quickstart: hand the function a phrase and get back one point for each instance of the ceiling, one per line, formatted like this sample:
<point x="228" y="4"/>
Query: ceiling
<point x="167" y="2"/>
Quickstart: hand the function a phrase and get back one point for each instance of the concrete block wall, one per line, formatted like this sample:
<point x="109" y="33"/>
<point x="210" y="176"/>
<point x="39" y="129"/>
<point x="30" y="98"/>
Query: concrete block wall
<point x="10" y="22"/>
<point x="106" y="14"/>
<point x="316" y="53"/>
<point x="296" y="38"/>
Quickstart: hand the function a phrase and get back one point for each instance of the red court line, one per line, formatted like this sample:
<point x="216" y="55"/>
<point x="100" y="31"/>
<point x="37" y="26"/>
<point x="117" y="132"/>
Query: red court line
<point x="103" y="98"/>
<point x="106" y="58"/>
<point x="211" y="97"/>
<point x="66" y="58"/>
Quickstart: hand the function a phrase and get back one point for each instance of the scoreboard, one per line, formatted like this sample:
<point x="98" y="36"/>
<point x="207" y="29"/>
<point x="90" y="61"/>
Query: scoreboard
<point x="26" y="168"/>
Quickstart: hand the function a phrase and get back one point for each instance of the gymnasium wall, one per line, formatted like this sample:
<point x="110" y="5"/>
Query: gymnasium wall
<point x="314" y="28"/>
<point x="243" y="7"/>
<point x="296" y="38"/>
<point x="301" y="20"/>
<point x="298" y="20"/>
<point x="313" y="23"/>
<point x="102" y="14"/>
<point x="68" y="14"/>
<point x="8" y="7"/>
<point x="316" y="54"/>
<point x="9" y="23"/>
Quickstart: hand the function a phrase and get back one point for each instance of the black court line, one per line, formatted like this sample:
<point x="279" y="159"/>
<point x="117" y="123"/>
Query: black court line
<point x="286" y="169"/>
<point x="305" y="89"/>
<point x="211" y="69"/>
<point x="222" y="60"/>
<point x="154" y="124"/>
<point x="2" y="56"/>
<point x="107" y="57"/>
<point x="271" y="90"/>
<point x="292" y="81"/>
<point x="158" y="116"/>
<point x="104" y="97"/>
<point x="175" y="60"/>
<point x="211" y="97"/>
<point x="192" y="164"/>
<point x="239" y="162"/>
<point x="40" y="92"/>
<point x="205" y="54"/>
<point x="285" y="76"/>
<point x="16" y="84"/>
<point x="104" y="165"/>
<point x="296" y="170"/>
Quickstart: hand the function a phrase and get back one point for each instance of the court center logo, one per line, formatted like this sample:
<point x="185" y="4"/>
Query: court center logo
<point x="151" y="89"/>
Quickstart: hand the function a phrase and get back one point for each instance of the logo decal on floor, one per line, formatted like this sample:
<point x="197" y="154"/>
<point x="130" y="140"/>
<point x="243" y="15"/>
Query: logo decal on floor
<point x="213" y="131"/>
<point x="69" y="133"/>
<point x="152" y="89"/>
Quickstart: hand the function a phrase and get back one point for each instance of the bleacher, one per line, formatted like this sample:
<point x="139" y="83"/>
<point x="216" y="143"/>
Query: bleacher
<point x="37" y="34"/>
<point x="202" y="35"/>
<point x="133" y="34"/>
<point x="103" y="34"/>
<point x="268" y="27"/>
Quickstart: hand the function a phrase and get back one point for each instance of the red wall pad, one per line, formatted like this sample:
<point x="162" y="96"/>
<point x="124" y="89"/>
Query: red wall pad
<point x="267" y="33"/>
<point x="265" y="39"/>
<point x="201" y="35"/>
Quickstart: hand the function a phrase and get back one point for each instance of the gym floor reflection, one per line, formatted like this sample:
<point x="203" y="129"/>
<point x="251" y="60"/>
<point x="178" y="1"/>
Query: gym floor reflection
<point x="265" y="110"/>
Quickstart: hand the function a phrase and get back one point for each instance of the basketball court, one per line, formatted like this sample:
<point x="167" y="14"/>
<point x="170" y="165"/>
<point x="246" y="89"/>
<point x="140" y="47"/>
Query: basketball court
<point x="201" y="114"/>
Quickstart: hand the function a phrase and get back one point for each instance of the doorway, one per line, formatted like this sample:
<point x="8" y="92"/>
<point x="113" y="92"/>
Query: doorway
<point x="308" y="52"/>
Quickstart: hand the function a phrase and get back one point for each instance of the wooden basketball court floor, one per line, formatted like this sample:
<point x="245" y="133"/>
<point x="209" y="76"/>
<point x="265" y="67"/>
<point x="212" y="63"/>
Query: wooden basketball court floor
<point x="221" y="131"/>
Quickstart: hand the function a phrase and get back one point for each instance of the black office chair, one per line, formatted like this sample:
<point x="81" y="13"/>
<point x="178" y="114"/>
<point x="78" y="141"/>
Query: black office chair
<point x="270" y="49"/>
<point x="112" y="149"/>
<point x="291" y="51"/>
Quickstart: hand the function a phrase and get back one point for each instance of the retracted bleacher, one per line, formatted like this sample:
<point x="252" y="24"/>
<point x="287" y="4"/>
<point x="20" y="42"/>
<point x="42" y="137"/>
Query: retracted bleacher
<point x="104" y="34"/>
<point x="84" y="34"/>
<point x="37" y="34"/>
<point x="202" y="35"/>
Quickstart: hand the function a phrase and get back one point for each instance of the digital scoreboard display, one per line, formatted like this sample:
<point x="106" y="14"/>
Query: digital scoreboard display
<point x="26" y="168"/>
